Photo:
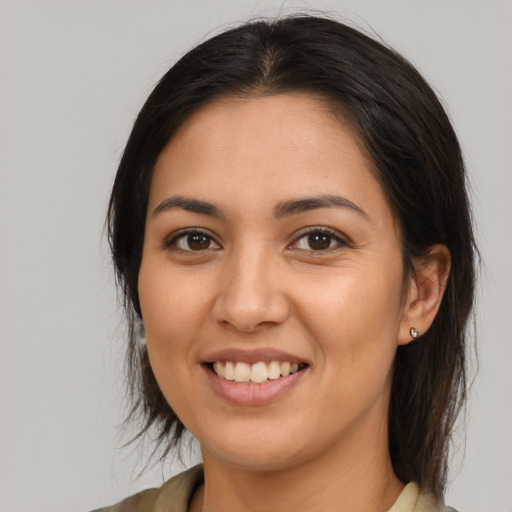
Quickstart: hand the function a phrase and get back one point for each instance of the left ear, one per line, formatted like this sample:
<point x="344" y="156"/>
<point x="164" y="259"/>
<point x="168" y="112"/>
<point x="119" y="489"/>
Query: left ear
<point x="425" y="292"/>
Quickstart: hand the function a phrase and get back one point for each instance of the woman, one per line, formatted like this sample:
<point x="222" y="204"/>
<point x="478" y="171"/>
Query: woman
<point x="291" y="230"/>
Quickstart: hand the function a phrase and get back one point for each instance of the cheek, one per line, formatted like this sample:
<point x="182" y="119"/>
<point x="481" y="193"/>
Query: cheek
<point x="355" y="319"/>
<point x="172" y="311"/>
<point x="169" y="300"/>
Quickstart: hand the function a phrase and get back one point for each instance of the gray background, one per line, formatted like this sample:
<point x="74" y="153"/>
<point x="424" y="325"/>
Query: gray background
<point x="73" y="74"/>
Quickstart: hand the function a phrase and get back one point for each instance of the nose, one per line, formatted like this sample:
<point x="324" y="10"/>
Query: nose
<point x="251" y="295"/>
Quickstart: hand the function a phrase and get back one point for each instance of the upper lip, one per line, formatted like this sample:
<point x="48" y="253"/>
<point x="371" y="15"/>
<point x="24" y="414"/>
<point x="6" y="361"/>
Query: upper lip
<point x="252" y="356"/>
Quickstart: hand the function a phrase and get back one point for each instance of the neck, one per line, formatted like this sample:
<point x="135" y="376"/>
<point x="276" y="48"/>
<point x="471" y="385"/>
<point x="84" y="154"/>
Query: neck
<point x="348" y="477"/>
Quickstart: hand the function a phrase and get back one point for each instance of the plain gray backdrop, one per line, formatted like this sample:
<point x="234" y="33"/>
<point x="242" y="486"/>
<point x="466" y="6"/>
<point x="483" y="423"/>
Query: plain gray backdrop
<point x="73" y="74"/>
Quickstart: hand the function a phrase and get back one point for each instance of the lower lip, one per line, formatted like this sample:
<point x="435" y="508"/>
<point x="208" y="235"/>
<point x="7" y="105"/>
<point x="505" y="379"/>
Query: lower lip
<point x="252" y="394"/>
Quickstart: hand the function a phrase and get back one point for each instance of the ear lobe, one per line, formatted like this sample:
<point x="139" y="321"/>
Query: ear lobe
<point x="426" y="289"/>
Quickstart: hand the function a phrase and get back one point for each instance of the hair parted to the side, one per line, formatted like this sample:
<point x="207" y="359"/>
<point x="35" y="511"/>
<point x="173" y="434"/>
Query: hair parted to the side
<point x="416" y="158"/>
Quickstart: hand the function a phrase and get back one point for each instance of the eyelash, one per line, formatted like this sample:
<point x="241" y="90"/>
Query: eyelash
<point x="333" y="237"/>
<point x="168" y="244"/>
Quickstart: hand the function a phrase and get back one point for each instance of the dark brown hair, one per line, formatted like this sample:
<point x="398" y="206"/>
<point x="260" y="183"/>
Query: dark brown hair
<point x="416" y="158"/>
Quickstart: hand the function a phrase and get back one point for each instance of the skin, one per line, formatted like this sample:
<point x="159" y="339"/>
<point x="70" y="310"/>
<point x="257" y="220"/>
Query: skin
<point x="256" y="282"/>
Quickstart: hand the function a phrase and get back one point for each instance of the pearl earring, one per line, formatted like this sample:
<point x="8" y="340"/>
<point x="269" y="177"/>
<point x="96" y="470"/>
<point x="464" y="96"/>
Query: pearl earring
<point x="414" y="332"/>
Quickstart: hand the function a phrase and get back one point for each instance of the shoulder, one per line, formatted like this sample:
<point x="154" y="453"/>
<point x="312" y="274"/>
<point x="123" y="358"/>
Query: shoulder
<point x="173" y="496"/>
<point x="413" y="499"/>
<point x="427" y="503"/>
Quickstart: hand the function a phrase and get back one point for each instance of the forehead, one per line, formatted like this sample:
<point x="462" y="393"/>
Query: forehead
<point x="301" y="121"/>
<point x="260" y="147"/>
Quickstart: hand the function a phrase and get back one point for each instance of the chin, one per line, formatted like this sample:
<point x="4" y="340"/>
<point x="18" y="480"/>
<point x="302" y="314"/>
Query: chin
<point x="257" y="460"/>
<point x="264" y="450"/>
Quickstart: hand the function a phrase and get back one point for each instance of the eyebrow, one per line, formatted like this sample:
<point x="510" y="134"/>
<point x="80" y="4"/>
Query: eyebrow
<point x="188" y="204"/>
<point x="295" y="206"/>
<point x="282" y="209"/>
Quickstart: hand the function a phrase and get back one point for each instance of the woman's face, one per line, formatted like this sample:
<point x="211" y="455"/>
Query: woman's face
<point x="270" y="248"/>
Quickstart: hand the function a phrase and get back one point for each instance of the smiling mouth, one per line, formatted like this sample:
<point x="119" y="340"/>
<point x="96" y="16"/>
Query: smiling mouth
<point x="257" y="373"/>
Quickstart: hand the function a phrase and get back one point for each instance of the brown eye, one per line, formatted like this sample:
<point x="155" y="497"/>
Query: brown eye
<point x="195" y="241"/>
<point x="319" y="241"/>
<point x="198" y="242"/>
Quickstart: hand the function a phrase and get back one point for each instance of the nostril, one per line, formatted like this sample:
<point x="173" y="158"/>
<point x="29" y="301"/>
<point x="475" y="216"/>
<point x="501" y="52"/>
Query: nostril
<point x="246" y="314"/>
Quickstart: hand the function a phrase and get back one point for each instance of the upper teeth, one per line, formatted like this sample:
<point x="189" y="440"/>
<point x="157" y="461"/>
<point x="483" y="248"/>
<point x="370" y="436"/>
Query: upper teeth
<point x="257" y="373"/>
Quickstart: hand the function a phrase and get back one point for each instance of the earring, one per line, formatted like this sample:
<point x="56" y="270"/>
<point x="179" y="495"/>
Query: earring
<point x="414" y="332"/>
